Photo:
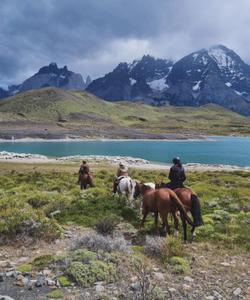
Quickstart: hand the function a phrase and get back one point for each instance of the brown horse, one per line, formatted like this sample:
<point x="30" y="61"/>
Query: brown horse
<point x="85" y="181"/>
<point x="191" y="203"/>
<point x="162" y="201"/>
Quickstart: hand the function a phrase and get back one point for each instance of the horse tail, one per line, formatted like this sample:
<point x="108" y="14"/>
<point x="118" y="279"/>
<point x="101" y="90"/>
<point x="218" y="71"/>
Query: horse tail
<point x="196" y="210"/>
<point x="181" y="208"/>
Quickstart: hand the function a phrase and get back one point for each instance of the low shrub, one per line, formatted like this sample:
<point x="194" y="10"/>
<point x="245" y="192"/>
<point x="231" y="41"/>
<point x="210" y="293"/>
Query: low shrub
<point x="94" y="242"/>
<point x="106" y="225"/>
<point x="87" y="274"/>
<point x="63" y="281"/>
<point x="180" y="265"/>
<point x="55" y="294"/>
<point x="153" y="246"/>
<point x="172" y="246"/>
<point x="43" y="261"/>
<point x="24" y="268"/>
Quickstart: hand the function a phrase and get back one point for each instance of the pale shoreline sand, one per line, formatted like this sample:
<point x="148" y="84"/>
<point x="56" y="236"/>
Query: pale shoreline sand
<point x="34" y="140"/>
<point x="132" y="162"/>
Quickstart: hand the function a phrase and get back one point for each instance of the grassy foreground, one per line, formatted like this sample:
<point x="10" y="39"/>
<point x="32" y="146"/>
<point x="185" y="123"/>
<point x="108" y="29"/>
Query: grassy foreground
<point x="37" y="200"/>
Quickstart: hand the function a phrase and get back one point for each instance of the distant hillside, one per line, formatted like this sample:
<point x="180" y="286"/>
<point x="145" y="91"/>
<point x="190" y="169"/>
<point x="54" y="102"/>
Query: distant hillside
<point x="52" y="112"/>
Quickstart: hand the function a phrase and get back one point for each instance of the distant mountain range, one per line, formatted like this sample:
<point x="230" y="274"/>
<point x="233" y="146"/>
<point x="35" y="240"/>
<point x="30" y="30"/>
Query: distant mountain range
<point x="49" y="76"/>
<point x="212" y="75"/>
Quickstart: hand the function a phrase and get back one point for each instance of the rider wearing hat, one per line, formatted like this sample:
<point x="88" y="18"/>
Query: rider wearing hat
<point x="176" y="175"/>
<point x="122" y="172"/>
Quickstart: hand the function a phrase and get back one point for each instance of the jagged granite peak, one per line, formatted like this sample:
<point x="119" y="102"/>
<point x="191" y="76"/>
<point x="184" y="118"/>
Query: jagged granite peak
<point x="133" y="81"/>
<point x="52" y="75"/>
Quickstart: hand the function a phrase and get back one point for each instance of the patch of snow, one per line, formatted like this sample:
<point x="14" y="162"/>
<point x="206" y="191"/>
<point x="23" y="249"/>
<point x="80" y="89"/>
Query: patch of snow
<point x="222" y="59"/>
<point x="228" y="84"/>
<point x="62" y="76"/>
<point x="158" y="84"/>
<point x="132" y="81"/>
<point x="188" y="71"/>
<point x="132" y="65"/>
<point x="196" y="87"/>
<point x="242" y="78"/>
<point x="204" y="60"/>
<point x="199" y="70"/>
<point x="195" y="55"/>
<point x="238" y="93"/>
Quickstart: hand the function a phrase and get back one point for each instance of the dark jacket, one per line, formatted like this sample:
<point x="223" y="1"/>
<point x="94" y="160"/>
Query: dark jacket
<point x="84" y="169"/>
<point x="177" y="176"/>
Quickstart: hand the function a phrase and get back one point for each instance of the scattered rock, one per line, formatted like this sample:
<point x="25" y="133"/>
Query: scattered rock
<point x="189" y="279"/>
<point x="6" y="298"/>
<point x="99" y="288"/>
<point x="4" y="264"/>
<point x="186" y="287"/>
<point x="237" y="292"/>
<point x="40" y="281"/>
<point x="135" y="286"/>
<point x="225" y="264"/>
<point x="50" y="282"/>
<point x="159" y="276"/>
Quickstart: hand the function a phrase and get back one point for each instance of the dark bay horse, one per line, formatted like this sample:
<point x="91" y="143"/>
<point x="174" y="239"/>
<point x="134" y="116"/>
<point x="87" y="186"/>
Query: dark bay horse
<point x="191" y="203"/>
<point x="162" y="201"/>
<point x="85" y="181"/>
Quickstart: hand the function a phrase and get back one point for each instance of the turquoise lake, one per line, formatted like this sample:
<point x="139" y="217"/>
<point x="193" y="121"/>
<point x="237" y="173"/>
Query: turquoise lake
<point x="216" y="150"/>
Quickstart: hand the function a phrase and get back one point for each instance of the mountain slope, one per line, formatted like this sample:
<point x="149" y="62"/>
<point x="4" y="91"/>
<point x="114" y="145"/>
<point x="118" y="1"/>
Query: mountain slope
<point x="54" y="113"/>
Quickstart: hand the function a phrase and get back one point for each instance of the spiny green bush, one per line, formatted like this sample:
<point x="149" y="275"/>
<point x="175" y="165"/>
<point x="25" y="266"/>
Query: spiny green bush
<point x="87" y="274"/>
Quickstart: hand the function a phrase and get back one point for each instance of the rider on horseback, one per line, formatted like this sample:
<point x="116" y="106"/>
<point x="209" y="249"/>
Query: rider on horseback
<point x="84" y="169"/>
<point x="176" y="175"/>
<point x="122" y="172"/>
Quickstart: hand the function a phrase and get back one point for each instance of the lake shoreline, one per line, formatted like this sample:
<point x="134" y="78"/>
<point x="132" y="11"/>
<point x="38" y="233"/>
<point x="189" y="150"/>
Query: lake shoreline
<point x="134" y="163"/>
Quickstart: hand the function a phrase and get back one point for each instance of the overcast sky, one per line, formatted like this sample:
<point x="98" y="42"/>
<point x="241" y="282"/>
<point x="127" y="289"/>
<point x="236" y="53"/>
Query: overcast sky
<point x="92" y="36"/>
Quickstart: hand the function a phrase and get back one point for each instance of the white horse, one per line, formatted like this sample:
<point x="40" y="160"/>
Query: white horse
<point x="126" y="187"/>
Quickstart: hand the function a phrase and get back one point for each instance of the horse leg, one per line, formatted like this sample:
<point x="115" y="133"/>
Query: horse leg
<point x="156" y="223"/>
<point x="176" y="225"/>
<point x="145" y="213"/>
<point x="193" y="234"/>
<point x="164" y="218"/>
<point x="81" y="185"/>
<point x="184" y="225"/>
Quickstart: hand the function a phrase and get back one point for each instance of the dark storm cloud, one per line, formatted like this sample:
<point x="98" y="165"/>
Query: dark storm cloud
<point x="92" y="36"/>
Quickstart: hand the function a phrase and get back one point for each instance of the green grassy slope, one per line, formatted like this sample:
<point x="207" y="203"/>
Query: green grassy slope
<point x="74" y="107"/>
